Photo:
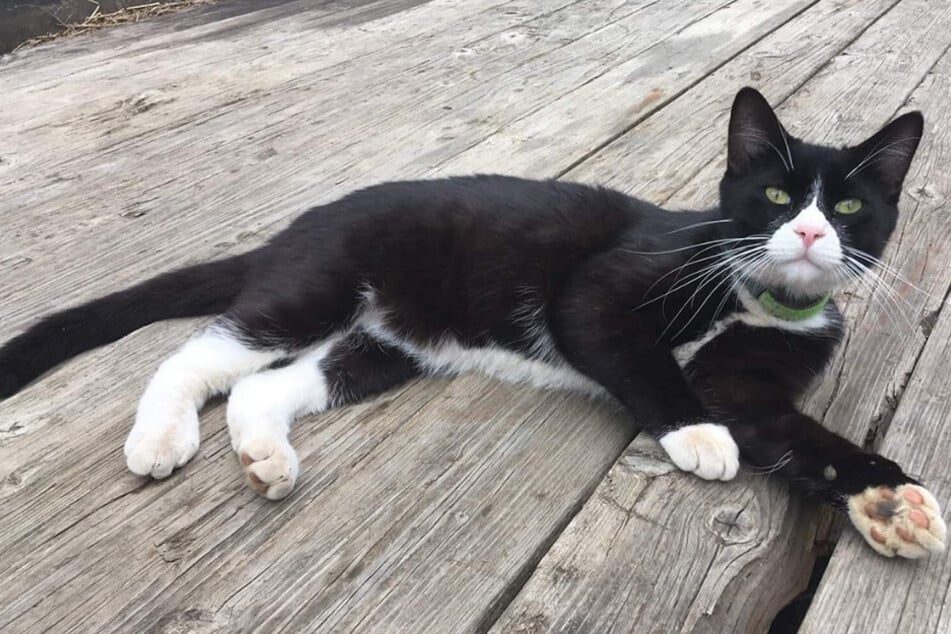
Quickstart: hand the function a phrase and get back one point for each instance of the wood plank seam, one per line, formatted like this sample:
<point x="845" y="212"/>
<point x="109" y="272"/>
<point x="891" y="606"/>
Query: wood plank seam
<point x="674" y="96"/>
<point x="916" y="84"/>
<point x="530" y="113"/>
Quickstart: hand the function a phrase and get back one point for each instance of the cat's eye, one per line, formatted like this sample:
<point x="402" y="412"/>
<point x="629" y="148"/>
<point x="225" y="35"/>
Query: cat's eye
<point x="848" y="206"/>
<point x="777" y="196"/>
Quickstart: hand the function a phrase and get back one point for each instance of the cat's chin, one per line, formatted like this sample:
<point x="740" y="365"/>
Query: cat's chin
<point x="801" y="278"/>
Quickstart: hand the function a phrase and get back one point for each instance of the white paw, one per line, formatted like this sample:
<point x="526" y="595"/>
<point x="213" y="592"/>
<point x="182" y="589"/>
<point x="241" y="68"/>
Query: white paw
<point x="158" y="443"/>
<point x="903" y="521"/>
<point x="271" y="464"/>
<point x="705" y="449"/>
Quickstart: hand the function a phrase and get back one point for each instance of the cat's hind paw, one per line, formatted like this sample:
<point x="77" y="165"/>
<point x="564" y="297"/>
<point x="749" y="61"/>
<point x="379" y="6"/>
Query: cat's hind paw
<point x="271" y="465"/>
<point x="157" y="445"/>
<point x="704" y="449"/>
<point x="903" y="521"/>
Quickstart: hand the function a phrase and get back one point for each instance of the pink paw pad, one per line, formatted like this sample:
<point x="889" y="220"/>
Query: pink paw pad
<point x="270" y="465"/>
<point x="904" y="521"/>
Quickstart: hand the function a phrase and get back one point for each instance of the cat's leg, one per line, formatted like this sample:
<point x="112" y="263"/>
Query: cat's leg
<point x="651" y="385"/>
<point x="166" y="434"/>
<point x="753" y="393"/>
<point x="892" y="511"/>
<point x="598" y="331"/>
<point x="262" y="407"/>
<point x="344" y="369"/>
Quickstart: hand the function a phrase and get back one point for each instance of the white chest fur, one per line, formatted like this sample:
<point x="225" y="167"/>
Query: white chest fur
<point x="754" y="315"/>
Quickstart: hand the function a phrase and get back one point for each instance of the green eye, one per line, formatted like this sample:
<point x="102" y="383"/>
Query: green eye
<point x="848" y="206"/>
<point x="777" y="196"/>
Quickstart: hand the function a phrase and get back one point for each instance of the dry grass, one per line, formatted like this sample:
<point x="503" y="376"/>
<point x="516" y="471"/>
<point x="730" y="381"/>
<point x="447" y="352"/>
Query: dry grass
<point x="128" y="15"/>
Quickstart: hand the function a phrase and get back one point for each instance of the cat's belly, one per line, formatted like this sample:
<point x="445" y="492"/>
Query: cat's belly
<point x="449" y="357"/>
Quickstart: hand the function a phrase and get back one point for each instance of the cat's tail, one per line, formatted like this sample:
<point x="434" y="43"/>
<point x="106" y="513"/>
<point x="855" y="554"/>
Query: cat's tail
<point x="204" y="289"/>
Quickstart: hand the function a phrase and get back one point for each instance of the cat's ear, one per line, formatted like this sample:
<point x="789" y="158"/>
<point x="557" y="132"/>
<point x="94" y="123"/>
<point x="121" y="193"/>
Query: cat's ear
<point x="755" y="133"/>
<point x="888" y="153"/>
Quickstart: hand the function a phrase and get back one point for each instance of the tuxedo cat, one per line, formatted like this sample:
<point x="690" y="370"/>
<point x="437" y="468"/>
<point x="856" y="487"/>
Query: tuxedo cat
<point x="707" y="326"/>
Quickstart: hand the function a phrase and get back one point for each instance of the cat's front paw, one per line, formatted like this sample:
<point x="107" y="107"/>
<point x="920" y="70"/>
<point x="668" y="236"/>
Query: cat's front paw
<point x="270" y="463"/>
<point x="903" y="521"/>
<point x="704" y="449"/>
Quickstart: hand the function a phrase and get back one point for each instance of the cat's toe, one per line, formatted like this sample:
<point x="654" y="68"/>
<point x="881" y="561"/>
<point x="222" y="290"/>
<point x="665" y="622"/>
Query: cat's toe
<point x="158" y="452"/>
<point x="704" y="449"/>
<point x="903" y="521"/>
<point x="271" y="465"/>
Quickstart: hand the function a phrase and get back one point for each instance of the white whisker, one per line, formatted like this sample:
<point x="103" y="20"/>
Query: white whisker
<point x="692" y="276"/>
<point x="724" y="268"/>
<point x="889" y="269"/>
<point x="697" y="276"/>
<point x="760" y="137"/>
<point x="776" y="466"/>
<point x="865" y="162"/>
<point x="786" y="143"/>
<point x="698" y="224"/>
<point x="692" y="246"/>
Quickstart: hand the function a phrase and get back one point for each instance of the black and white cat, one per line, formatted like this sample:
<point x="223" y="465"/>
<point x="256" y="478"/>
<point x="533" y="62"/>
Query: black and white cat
<point x="707" y="326"/>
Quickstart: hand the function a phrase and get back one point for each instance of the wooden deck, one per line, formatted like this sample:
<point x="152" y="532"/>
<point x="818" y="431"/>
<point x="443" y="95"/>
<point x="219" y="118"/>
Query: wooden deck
<point x="462" y="505"/>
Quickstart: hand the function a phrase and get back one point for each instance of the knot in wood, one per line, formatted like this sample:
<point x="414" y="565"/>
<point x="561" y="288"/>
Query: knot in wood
<point x="733" y="524"/>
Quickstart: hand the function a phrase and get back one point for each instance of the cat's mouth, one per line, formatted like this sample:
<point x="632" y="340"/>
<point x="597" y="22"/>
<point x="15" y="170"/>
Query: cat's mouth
<point x="805" y="261"/>
<point x="802" y="275"/>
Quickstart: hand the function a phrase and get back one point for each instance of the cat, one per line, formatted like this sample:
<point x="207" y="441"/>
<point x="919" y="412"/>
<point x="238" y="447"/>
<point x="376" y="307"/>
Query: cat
<point x="707" y="326"/>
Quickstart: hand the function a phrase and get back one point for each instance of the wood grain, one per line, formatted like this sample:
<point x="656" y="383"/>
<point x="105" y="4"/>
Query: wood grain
<point x="860" y="592"/>
<point x="429" y="508"/>
<point x="740" y="588"/>
<point x="258" y="140"/>
<point x="425" y="509"/>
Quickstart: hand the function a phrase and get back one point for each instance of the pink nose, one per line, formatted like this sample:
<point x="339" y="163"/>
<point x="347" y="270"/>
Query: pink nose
<point x="809" y="234"/>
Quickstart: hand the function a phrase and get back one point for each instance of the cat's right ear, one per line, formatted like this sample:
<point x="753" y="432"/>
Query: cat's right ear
<point x="888" y="153"/>
<point x="755" y="133"/>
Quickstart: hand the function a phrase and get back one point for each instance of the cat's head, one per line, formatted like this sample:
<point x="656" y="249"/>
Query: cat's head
<point x="821" y="214"/>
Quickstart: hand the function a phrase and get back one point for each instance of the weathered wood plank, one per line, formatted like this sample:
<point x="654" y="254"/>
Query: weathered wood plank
<point x="381" y="493"/>
<point x="423" y="509"/>
<point x="284" y="47"/>
<point x="262" y="155"/>
<point x="655" y="551"/>
<point x="602" y="573"/>
<point x="119" y="250"/>
<point x="872" y="366"/>
<point x="861" y="592"/>
<point x="570" y="126"/>
<point x="204" y="223"/>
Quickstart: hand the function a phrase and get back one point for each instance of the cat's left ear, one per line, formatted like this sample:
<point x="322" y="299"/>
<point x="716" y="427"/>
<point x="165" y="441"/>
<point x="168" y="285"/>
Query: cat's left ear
<point x="888" y="153"/>
<point x="756" y="135"/>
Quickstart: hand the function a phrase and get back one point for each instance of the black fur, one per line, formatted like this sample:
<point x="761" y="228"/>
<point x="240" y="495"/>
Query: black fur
<point x="204" y="289"/>
<point x="466" y="257"/>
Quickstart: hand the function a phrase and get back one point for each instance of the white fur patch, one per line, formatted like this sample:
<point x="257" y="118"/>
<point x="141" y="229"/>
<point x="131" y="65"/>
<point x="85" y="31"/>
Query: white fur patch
<point x="270" y="400"/>
<point x="812" y="277"/>
<point x="165" y="434"/>
<point x="686" y="351"/>
<point x="262" y="408"/>
<point x="756" y="316"/>
<point x="271" y="465"/>
<point x="704" y="449"/>
<point x="448" y="356"/>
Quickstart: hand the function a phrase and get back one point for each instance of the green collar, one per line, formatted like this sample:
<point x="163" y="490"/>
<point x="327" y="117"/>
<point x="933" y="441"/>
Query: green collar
<point x="790" y="313"/>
